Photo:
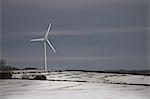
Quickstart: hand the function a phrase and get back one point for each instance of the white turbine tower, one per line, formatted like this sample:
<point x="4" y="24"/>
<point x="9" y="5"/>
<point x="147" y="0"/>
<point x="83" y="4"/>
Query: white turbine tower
<point x="45" y="40"/>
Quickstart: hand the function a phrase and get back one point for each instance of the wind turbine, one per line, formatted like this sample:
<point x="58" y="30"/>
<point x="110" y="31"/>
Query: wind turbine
<point x="45" y="42"/>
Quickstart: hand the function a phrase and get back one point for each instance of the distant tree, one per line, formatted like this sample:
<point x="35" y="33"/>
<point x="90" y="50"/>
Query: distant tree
<point x="2" y="62"/>
<point x="3" y="66"/>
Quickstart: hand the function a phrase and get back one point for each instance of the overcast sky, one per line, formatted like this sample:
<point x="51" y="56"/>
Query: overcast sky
<point x="87" y="34"/>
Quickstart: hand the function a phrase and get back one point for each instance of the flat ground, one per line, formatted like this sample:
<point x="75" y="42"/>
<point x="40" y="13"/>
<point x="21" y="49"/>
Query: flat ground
<point x="78" y="85"/>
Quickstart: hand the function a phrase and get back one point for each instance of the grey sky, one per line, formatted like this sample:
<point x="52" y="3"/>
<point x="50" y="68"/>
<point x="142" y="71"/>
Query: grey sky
<point x="87" y="34"/>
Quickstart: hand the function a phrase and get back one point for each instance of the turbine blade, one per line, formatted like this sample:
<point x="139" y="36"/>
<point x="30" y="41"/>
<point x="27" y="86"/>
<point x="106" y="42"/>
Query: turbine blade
<point x="40" y="39"/>
<point x="49" y="27"/>
<point x="51" y="45"/>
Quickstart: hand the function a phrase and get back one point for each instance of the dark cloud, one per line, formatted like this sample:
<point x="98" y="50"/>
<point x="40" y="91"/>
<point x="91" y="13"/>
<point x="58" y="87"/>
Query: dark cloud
<point x="98" y="34"/>
<point x="0" y="29"/>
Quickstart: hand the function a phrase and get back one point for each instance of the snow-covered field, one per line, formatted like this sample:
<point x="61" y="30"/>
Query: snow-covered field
<point x="78" y="85"/>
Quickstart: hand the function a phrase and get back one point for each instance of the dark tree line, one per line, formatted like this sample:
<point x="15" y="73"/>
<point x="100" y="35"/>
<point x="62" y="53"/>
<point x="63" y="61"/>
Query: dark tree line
<point x="4" y="66"/>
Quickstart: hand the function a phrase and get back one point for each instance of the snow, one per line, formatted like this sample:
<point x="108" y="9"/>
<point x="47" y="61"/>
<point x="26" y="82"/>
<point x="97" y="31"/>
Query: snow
<point x="69" y="85"/>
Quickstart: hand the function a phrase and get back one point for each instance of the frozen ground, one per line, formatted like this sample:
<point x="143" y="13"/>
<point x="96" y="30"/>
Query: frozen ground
<point x="78" y="85"/>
